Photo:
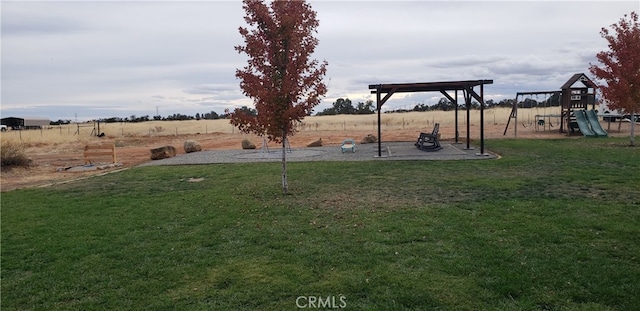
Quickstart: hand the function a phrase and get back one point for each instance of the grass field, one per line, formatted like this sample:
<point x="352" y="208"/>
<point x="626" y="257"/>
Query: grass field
<point x="552" y="225"/>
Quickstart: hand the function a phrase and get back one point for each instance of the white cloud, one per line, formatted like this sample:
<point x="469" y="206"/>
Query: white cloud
<point x="103" y="59"/>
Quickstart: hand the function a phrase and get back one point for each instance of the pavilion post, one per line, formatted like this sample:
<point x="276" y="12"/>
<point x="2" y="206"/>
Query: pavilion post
<point x="467" y="101"/>
<point x="456" y="104"/>
<point x="379" y="107"/>
<point x="482" y="119"/>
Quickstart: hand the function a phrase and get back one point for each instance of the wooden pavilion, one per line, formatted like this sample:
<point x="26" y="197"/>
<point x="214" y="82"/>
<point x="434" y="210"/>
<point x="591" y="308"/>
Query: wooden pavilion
<point x="467" y="88"/>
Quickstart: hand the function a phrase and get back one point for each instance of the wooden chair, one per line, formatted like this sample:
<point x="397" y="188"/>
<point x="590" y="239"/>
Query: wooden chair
<point x="429" y="141"/>
<point x="347" y="144"/>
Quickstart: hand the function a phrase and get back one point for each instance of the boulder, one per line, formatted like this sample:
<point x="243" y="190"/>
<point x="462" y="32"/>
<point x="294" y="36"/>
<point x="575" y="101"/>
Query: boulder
<point x="191" y="146"/>
<point x="163" y="152"/>
<point x="247" y="144"/>
<point x="369" y="139"/>
<point x="317" y="143"/>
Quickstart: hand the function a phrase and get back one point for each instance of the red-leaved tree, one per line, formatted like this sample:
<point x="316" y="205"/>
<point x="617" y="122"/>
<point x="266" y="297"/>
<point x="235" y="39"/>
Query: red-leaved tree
<point x="281" y="78"/>
<point x="620" y="68"/>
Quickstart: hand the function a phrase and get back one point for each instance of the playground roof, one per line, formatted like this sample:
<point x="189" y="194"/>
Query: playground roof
<point x="579" y="77"/>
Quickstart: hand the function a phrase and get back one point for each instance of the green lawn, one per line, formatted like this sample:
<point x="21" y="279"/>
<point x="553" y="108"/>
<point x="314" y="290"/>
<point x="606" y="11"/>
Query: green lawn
<point x="552" y="225"/>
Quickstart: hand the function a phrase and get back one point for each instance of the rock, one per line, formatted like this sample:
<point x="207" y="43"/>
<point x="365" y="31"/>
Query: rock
<point x="317" y="143"/>
<point x="163" y="152"/>
<point x="369" y="139"/>
<point x="192" y="146"/>
<point x="247" y="144"/>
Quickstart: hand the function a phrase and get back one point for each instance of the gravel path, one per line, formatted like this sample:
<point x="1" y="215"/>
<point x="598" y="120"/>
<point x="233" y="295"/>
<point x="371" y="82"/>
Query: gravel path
<point x="366" y="152"/>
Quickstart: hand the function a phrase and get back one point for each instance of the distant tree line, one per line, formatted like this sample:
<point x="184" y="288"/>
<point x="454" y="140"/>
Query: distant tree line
<point x="59" y="122"/>
<point x="173" y="117"/>
<point x="444" y="104"/>
<point x="344" y="106"/>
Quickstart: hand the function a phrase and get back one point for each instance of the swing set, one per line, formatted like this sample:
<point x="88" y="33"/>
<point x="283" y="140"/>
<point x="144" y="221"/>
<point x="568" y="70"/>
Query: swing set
<point x="576" y="94"/>
<point x="544" y="104"/>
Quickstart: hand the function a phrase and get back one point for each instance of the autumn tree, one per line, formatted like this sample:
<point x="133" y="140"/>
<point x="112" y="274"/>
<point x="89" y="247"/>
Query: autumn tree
<point x="281" y="78"/>
<point x="620" y="68"/>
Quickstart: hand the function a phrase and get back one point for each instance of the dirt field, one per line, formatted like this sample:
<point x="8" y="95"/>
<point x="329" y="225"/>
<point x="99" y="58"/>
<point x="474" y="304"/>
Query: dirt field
<point x="49" y="153"/>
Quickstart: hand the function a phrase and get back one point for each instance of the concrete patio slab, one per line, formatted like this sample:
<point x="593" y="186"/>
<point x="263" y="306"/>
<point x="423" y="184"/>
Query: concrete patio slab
<point x="366" y="152"/>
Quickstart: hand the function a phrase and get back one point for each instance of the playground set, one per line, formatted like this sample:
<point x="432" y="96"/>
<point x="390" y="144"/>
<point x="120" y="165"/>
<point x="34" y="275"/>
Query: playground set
<point x="574" y="99"/>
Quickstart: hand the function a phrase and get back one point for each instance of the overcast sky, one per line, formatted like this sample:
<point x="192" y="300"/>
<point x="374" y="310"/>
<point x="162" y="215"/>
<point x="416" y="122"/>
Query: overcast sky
<point x="103" y="59"/>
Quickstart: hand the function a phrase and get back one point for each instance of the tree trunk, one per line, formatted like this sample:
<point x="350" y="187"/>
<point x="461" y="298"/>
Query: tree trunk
<point x="285" y="183"/>
<point x="633" y="125"/>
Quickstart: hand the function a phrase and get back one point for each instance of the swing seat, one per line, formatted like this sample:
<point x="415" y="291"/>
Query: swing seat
<point x="429" y="141"/>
